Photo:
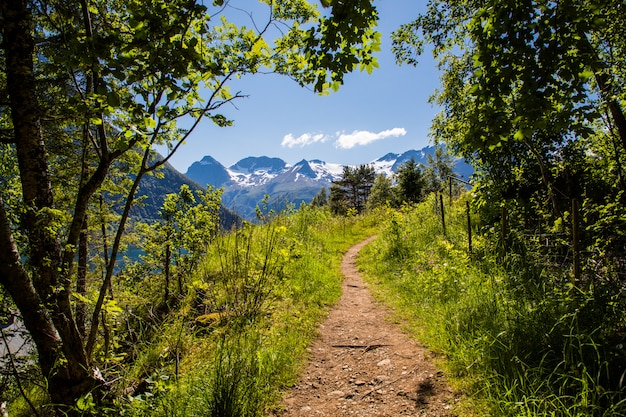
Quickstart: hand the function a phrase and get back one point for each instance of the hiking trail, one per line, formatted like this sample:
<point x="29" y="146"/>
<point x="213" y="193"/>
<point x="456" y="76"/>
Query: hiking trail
<point x="362" y="364"/>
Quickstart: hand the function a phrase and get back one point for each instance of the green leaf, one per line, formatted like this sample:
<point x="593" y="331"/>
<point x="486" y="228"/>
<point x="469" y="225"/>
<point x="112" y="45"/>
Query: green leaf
<point x="113" y="99"/>
<point x="172" y="95"/>
<point x="586" y="74"/>
<point x="149" y="122"/>
<point x="221" y="120"/>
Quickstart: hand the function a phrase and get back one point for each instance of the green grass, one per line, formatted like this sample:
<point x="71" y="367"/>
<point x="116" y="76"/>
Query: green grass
<point x="517" y="339"/>
<point x="240" y="336"/>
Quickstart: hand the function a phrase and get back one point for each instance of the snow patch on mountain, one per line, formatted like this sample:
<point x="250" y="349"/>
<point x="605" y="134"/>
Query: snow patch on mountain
<point x="256" y="171"/>
<point x="251" y="179"/>
<point x="385" y="164"/>
<point x="326" y="171"/>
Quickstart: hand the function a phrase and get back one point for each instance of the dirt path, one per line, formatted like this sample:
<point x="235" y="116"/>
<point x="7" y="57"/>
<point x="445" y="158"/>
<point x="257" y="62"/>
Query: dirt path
<point x="363" y="365"/>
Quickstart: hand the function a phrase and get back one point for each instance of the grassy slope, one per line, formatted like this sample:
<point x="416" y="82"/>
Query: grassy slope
<point x="241" y="334"/>
<point x="520" y="343"/>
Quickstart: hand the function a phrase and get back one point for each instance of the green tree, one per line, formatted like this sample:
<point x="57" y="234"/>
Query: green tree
<point x="101" y="82"/>
<point x="338" y="201"/>
<point x="382" y="193"/>
<point x="532" y="95"/>
<point x="175" y="245"/>
<point x="522" y="67"/>
<point x="320" y="199"/>
<point x="411" y="182"/>
<point x="438" y="170"/>
<point x="353" y="189"/>
<point x="173" y="212"/>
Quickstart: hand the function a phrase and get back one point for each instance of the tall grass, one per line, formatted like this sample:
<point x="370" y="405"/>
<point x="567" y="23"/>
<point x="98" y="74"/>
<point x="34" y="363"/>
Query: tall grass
<point x="519" y="337"/>
<point x="251" y="310"/>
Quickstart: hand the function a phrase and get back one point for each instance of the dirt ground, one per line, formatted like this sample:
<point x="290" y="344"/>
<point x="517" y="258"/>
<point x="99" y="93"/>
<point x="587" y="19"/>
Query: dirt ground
<point x="362" y="364"/>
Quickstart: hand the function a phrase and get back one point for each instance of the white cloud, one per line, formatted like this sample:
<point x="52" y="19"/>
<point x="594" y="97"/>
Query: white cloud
<point x="289" y="141"/>
<point x="363" y="137"/>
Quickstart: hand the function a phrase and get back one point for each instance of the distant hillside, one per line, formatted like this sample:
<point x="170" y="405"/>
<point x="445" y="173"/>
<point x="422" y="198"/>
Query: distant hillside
<point x="152" y="192"/>
<point x="246" y="182"/>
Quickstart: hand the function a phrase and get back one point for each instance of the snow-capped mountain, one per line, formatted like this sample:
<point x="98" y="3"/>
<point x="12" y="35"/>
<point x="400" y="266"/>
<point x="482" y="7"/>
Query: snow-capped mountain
<point x="385" y="164"/>
<point x="258" y="171"/>
<point x="246" y="182"/>
<point x="255" y="171"/>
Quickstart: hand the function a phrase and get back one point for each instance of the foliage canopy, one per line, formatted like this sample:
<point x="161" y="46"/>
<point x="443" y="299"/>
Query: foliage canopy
<point x="533" y="95"/>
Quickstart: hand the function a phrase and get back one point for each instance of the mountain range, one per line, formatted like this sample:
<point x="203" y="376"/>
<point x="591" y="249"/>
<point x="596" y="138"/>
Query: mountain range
<point x="247" y="182"/>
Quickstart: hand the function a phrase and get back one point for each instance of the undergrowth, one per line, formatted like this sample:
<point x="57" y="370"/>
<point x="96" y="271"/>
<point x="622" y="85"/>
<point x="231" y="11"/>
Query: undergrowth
<point x="239" y="335"/>
<point x="520" y="338"/>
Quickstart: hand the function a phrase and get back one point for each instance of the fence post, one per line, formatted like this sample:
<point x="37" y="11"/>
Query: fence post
<point x="505" y="232"/>
<point x="443" y="216"/>
<point x="450" y="192"/>
<point x="469" y="227"/>
<point x="576" y="238"/>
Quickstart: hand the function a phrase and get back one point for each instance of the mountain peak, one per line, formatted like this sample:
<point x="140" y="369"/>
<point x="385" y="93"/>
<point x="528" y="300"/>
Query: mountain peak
<point x="208" y="171"/>
<point x="389" y="157"/>
<point x="303" y="168"/>
<point x="208" y="160"/>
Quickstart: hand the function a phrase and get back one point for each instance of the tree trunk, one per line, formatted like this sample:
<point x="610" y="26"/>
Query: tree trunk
<point x="103" y="231"/>
<point x="81" y="280"/>
<point x="18" y="284"/>
<point x="616" y="111"/>
<point x="43" y="295"/>
<point x="166" y="262"/>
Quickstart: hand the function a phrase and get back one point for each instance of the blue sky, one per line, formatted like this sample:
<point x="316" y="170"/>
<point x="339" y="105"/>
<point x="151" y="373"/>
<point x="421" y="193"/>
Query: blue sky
<point x="371" y="115"/>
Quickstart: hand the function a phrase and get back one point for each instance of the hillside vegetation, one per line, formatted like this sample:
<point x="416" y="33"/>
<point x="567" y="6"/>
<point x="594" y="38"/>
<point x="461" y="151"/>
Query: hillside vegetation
<point x="241" y="332"/>
<point x="519" y="334"/>
<point x="237" y="333"/>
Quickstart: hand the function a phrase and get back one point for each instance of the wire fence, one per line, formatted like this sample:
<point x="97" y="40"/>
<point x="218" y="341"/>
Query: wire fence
<point x="558" y="250"/>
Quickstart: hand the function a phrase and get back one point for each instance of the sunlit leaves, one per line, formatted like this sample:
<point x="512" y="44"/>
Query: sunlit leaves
<point x="529" y="88"/>
<point x="220" y="120"/>
<point x="407" y="44"/>
<point x="534" y="62"/>
<point x="298" y="11"/>
<point x="342" y="42"/>
<point x="115" y="78"/>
